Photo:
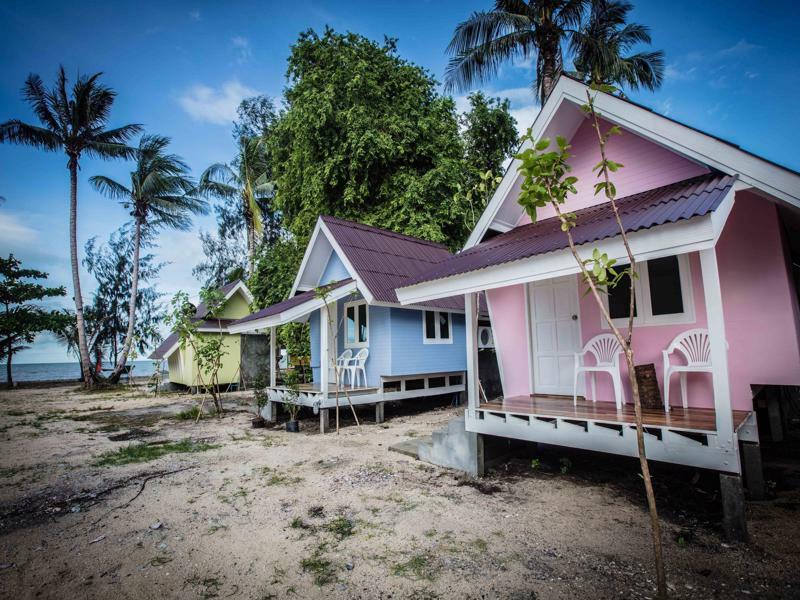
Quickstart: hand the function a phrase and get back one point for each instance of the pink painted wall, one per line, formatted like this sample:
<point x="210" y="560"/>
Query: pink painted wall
<point x="761" y="312"/>
<point x="647" y="165"/>
<point x="649" y="342"/>
<point x="758" y="299"/>
<point x="507" y="306"/>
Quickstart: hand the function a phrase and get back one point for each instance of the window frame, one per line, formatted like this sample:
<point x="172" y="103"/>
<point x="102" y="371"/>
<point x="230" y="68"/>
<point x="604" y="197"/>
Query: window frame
<point x="438" y="339"/>
<point x="355" y="304"/>
<point x="644" y="305"/>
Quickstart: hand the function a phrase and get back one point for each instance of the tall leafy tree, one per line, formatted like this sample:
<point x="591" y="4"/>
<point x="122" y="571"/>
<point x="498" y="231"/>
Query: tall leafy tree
<point x="602" y="49"/>
<point x="248" y="183"/>
<point x="110" y="328"/>
<point x="22" y="320"/>
<point x="160" y="195"/>
<point x="364" y="136"/>
<point x="489" y="132"/>
<point x="514" y="30"/>
<point x="75" y="122"/>
<point x="255" y="118"/>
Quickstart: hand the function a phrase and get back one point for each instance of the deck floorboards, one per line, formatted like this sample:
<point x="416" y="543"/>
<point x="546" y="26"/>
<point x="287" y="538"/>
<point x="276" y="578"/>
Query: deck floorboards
<point x="694" y="419"/>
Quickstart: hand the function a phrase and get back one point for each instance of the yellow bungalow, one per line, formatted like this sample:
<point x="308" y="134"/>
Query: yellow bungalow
<point x="180" y="361"/>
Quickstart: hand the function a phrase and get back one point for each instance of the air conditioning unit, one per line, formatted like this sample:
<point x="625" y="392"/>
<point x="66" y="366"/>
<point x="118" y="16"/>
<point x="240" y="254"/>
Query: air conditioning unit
<point x="485" y="337"/>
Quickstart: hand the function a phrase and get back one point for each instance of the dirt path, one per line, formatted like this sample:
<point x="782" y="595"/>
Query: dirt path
<point x="228" y="511"/>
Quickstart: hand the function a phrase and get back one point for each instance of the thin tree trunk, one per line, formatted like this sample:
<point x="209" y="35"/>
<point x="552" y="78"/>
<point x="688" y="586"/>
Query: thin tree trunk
<point x="126" y="347"/>
<point x="9" y="379"/>
<point x="251" y="237"/>
<point x="86" y="364"/>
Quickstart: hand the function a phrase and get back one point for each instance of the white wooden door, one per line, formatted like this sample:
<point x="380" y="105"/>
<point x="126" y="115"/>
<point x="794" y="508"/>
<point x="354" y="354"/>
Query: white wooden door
<point x="556" y="334"/>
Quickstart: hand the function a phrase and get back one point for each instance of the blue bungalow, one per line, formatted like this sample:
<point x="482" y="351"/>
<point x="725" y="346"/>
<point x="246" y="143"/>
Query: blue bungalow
<point x="362" y="340"/>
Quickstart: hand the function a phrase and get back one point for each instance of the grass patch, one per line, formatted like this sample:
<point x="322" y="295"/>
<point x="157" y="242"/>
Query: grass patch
<point x="275" y="477"/>
<point x="189" y="414"/>
<point x="299" y="523"/>
<point x="341" y="527"/>
<point x="319" y="566"/>
<point x="418" y="566"/>
<point x="137" y="453"/>
<point x="214" y="529"/>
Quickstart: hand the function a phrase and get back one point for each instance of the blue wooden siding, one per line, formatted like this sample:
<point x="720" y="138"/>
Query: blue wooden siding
<point x="334" y="270"/>
<point x="410" y="355"/>
<point x="395" y="344"/>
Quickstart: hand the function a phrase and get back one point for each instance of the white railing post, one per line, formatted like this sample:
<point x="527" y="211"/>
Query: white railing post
<point x="719" y="349"/>
<point x="273" y="362"/>
<point x="324" y="351"/>
<point x="471" y="322"/>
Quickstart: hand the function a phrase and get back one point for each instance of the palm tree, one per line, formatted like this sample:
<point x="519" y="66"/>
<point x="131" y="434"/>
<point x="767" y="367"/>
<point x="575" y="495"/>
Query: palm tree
<point x="248" y="183"/>
<point x="513" y="30"/>
<point x="75" y="123"/>
<point x="160" y="196"/>
<point x="601" y="49"/>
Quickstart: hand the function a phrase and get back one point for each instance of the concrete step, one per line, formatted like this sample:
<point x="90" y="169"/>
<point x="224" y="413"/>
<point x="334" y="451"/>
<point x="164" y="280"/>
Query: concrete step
<point x="410" y="447"/>
<point x="455" y="448"/>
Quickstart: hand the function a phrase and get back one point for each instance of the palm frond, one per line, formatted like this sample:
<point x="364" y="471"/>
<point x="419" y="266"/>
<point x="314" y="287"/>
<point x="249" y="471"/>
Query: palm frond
<point x="17" y="132"/>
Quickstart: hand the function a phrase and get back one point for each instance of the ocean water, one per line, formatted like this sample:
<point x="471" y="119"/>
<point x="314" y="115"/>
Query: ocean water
<point x="61" y="371"/>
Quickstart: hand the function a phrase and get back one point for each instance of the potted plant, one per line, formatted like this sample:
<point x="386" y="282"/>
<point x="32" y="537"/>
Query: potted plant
<point x="261" y="398"/>
<point x="291" y="402"/>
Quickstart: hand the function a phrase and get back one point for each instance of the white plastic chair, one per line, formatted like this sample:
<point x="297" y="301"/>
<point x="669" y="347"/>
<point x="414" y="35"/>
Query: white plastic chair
<point x="358" y="366"/>
<point x="695" y="347"/>
<point x="606" y="350"/>
<point x="342" y="364"/>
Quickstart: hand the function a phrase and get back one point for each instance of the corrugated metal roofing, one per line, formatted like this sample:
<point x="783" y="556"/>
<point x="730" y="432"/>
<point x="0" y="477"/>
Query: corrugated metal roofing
<point x="168" y="343"/>
<point x="667" y="204"/>
<point x="292" y="302"/>
<point x="385" y="260"/>
<point x="201" y="312"/>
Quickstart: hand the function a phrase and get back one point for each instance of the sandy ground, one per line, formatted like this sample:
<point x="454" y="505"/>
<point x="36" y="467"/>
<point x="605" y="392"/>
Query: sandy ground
<point x="269" y="514"/>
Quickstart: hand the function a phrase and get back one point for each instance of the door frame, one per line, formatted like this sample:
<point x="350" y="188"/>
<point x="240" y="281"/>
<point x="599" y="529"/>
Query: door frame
<point x="530" y="320"/>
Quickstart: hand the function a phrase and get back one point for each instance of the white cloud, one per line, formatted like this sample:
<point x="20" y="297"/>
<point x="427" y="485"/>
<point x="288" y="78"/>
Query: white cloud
<point x="242" y="47"/>
<point x="666" y="106"/>
<point x="14" y="233"/>
<point x="215" y="105"/>
<point x="182" y="250"/>
<point x="674" y="73"/>
<point x="524" y="106"/>
<point x="738" y="49"/>
<point x="194" y="15"/>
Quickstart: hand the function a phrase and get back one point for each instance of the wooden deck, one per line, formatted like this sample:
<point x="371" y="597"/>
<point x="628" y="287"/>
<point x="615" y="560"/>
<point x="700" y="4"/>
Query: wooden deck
<point x="691" y="419"/>
<point x="311" y="388"/>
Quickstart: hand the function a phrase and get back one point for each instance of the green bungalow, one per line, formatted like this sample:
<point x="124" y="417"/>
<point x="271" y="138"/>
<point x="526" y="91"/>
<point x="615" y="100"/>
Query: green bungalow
<point x="180" y="361"/>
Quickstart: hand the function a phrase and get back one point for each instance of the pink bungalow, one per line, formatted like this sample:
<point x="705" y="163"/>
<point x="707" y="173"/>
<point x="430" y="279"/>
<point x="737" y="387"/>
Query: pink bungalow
<point x="710" y="225"/>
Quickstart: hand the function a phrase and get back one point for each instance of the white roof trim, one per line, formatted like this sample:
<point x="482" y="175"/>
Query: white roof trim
<point x="294" y="313"/>
<point x="240" y="287"/>
<point x="172" y="349"/>
<point x="691" y="235"/>
<point x="772" y="179"/>
<point x="322" y="228"/>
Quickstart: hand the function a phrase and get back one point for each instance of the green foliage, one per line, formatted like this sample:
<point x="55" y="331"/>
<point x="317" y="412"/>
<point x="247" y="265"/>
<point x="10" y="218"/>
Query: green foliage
<point x="489" y="133"/>
<point x="341" y="527"/>
<point x="21" y="320"/>
<point x="137" y="453"/>
<point x="260" y="392"/>
<point x="365" y="136"/>
<point x="291" y="402"/>
<point x="602" y="49"/>
<point x="111" y="264"/>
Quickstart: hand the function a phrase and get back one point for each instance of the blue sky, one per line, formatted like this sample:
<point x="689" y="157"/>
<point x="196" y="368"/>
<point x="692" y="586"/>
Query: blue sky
<point x="180" y="68"/>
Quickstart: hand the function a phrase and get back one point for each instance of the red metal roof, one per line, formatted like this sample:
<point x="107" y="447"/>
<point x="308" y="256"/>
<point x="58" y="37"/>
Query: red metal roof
<point x="385" y="260"/>
<point x="296" y="300"/>
<point x="667" y="204"/>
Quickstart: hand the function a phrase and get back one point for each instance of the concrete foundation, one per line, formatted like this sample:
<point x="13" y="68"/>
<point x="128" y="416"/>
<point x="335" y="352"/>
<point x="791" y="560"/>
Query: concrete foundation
<point x="379" y="418"/>
<point x="456" y="448"/>
<point x="270" y="412"/>
<point x="324" y="420"/>
<point x="753" y="470"/>
<point x="734" y="521"/>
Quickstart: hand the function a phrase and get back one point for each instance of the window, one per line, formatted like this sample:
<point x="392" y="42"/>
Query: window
<point x="356" y="324"/>
<point x="663" y="294"/>
<point x="436" y="327"/>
